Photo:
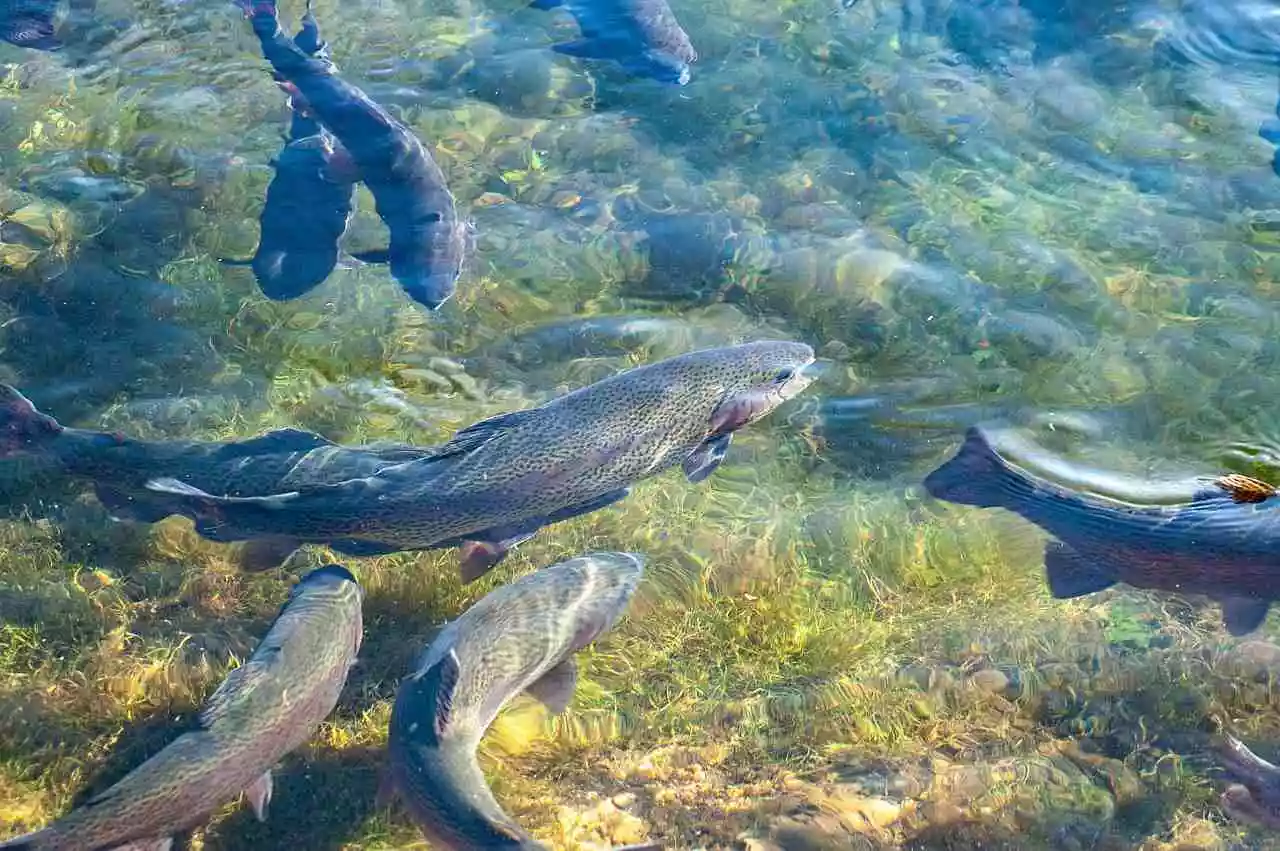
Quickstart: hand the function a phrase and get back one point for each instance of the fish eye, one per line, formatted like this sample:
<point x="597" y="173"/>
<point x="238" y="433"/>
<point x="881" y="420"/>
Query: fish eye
<point x="784" y="375"/>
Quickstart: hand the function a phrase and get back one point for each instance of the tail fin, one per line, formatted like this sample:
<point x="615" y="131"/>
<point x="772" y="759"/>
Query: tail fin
<point x="977" y="475"/>
<point x="22" y="427"/>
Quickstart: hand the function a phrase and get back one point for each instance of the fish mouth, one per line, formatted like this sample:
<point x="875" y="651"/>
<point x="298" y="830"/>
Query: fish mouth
<point x="758" y="402"/>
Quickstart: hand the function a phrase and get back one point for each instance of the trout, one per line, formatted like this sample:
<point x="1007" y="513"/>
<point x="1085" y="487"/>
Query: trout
<point x="1220" y="542"/>
<point x="119" y="467"/>
<point x="520" y="638"/>
<point x="264" y="709"/>
<point x="428" y="241"/>
<point x="497" y="482"/>
<point x="642" y="36"/>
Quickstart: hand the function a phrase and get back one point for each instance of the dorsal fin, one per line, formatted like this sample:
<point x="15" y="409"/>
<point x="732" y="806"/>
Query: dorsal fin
<point x="476" y="434"/>
<point x="1245" y="489"/>
<point x="275" y="441"/>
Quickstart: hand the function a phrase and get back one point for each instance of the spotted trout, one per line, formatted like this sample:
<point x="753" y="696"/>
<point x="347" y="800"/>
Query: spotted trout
<point x="1220" y="542"/>
<point x="263" y="710"/>
<point x="641" y="36"/>
<point x="119" y="467"/>
<point x="497" y="482"/>
<point x="428" y="241"/>
<point x="520" y="638"/>
<point x="306" y="212"/>
<point x="30" y="23"/>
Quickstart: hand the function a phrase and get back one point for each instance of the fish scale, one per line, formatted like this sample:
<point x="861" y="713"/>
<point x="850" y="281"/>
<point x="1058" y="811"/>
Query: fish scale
<point x="517" y="638"/>
<point x="500" y="480"/>
<point x="263" y="710"/>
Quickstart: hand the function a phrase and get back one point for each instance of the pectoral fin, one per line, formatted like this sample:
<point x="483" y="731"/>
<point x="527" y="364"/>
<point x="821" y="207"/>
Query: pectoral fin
<point x="706" y="457"/>
<point x="1245" y="489"/>
<point x="1242" y="615"/>
<point x="259" y="795"/>
<point x="1072" y="575"/>
<point x="555" y="688"/>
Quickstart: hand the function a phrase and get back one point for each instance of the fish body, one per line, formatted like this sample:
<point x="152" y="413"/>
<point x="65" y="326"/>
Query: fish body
<point x="642" y="36"/>
<point x="521" y="637"/>
<point x="263" y="710"/>
<point x="1221" y="542"/>
<point x="495" y="483"/>
<point x="306" y="212"/>
<point x="1256" y="797"/>
<point x="119" y="467"/>
<point x="30" y="23"/>
<point x="427" y="239"/>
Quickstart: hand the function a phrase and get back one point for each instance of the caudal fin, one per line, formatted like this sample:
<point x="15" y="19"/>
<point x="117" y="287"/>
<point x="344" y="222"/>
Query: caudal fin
<point x="975" y="476"/>
<point x="22" y="427"/>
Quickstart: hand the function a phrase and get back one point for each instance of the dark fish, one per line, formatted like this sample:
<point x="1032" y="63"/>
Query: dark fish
<point x="119" y="467"/>
<point x="1256" y="798"/>
<point x="642" y="36"/>
<point x="1221" y="542"/>
<point x="427" y="239"/>
<point x="29" y="23"/>
<point x="519" y="638"/>
<point x="262" y="711"/>
<point x="499" y="481"/>
<point x="306" y="212"/>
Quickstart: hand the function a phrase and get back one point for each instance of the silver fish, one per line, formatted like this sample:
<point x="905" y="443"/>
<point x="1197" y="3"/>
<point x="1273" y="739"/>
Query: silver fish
<point x="519" y="638"/>
<point x="263" y="710"/>
<point x="499" y="481"/>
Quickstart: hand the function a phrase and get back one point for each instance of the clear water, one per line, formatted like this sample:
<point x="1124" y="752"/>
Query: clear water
<point x="1058" y="216"/>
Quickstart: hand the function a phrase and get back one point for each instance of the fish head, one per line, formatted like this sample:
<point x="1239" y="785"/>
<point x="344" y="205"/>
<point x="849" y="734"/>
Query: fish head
<point x="754" y="379"/>
<point x="612" y="578"/>
<point x="661" y="66"/>
<point x="335" y="583"/>
<point x="32" y="32"/>
<point x="430" y="275"/>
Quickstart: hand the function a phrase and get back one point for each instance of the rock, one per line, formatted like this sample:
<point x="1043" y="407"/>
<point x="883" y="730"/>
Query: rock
<point x="990" y="681"/>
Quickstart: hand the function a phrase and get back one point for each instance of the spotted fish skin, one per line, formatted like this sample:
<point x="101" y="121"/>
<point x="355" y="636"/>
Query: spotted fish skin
<point x="495" y="483"/>
<point x="1221" y="542"/>
<point x="119" y="466"/>
<point x="263" y="710"/>
<point x="428" y="241"/>
<point x="521" y="637"/>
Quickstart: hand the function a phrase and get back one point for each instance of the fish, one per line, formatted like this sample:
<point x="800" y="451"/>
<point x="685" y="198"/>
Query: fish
<point x="305" y="213"/>
<point x="1220" y="540"/>
<point x="642" y="36"/>
<point x="1256" y="799"/>
<point x="520" y="638"/>
<point x="495" y="483"/>
<point x="428" y="241"/>
<point x="263" y="710"/>
<point x="119" y="467"/>
<point x="30" y="24"/>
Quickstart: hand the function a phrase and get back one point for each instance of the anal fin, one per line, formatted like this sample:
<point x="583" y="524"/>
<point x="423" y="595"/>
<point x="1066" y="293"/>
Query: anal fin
<point x="1242" y="615"/>
<point x="1071" y="574"/>
<point x="555" y="688"/>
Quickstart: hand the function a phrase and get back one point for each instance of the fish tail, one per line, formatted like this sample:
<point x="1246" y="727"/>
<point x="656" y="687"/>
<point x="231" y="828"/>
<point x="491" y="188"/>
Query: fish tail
<point x="22" y="427"/>
<point x="977" y="475"/>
